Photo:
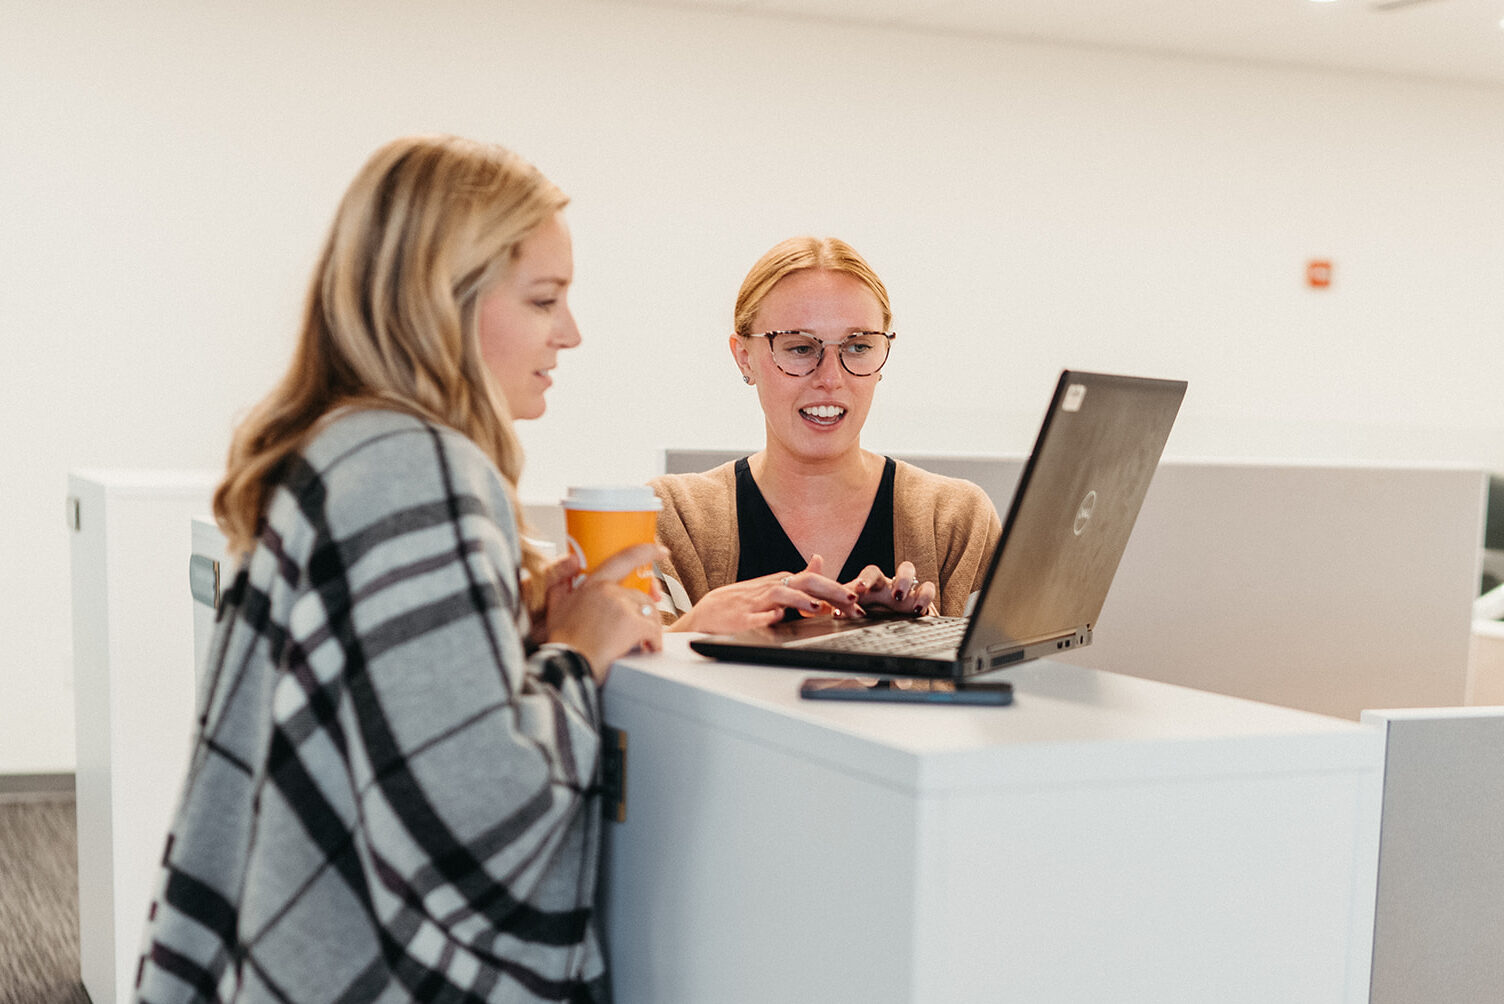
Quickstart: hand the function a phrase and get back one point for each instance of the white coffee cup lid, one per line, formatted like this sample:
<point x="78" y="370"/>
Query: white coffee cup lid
<point x="612" y="498"/>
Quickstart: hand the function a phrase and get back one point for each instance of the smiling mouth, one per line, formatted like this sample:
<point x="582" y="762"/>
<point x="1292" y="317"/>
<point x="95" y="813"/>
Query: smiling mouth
<point x="823" y="414"/>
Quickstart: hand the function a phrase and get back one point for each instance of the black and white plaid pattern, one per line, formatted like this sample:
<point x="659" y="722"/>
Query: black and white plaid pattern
<point x="389" y="799"/>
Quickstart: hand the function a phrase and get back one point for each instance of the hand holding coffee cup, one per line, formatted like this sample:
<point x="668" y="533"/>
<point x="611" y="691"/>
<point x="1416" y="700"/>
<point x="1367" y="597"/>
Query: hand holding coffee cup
<point x="604" y="620"/>
<point x="601" y="521"/>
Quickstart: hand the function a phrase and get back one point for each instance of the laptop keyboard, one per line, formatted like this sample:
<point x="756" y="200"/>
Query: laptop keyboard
<point x="922" y="635"/>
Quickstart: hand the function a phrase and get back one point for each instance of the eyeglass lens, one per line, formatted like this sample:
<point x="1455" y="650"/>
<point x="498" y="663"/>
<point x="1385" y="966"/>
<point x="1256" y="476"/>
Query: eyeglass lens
<point x="862" y="354"/>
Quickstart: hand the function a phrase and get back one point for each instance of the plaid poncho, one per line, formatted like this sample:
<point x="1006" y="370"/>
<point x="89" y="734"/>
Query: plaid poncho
<point x="388" y="798"/>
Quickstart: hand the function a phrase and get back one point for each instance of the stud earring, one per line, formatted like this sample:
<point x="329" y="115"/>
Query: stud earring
<point x="747" y="379"/>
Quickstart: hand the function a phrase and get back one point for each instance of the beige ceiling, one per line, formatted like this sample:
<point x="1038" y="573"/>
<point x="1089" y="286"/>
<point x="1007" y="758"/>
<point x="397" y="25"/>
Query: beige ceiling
<point x="1447" y="39"/>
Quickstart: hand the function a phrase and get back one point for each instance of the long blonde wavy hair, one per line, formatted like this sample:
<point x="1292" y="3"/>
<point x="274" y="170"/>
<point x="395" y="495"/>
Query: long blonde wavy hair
<point x="427" y="225"/>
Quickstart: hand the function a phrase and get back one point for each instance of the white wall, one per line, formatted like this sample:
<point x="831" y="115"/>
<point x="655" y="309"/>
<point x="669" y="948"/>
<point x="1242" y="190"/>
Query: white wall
<point x="167" y="171"/>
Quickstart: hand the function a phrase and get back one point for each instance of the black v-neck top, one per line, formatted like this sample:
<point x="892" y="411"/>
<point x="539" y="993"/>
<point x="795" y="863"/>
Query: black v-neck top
<point x="766" y="548"/>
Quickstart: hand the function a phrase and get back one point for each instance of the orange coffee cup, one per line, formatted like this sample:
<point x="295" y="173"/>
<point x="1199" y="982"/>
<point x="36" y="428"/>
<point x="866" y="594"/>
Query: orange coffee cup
<point x="601" y="521"/>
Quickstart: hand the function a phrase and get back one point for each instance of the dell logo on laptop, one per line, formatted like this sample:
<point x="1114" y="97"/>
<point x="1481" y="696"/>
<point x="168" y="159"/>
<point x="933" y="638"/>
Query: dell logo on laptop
<point x="1084" y="511"/>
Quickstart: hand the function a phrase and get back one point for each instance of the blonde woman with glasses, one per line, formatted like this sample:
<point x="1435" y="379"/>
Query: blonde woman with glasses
<point x="813" y="523"/>
<point x="393" y="793"/>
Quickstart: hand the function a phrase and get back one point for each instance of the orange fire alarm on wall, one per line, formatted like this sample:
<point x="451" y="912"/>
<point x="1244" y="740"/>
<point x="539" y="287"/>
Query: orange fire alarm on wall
<point x="1318" y="273"/>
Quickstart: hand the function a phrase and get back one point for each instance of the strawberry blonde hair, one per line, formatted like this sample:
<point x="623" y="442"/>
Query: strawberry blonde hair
<point x="796" y="254"/>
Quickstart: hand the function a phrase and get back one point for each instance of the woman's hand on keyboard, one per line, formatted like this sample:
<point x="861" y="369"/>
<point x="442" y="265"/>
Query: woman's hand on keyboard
<point x="902" y="594"/>
<point x="761" y="601"/>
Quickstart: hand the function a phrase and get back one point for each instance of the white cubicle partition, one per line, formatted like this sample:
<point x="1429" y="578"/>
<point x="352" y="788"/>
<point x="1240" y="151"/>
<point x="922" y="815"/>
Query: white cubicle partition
<point x="133" y="677"/>
<point x="1331" y="588"/>
<point x="1439" y="924"/>
<point x="1325" y="587"/>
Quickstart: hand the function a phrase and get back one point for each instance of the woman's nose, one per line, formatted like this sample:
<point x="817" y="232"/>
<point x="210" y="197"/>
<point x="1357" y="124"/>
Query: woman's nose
<point x="567" y="334"/>
<point x="828" y="371"/>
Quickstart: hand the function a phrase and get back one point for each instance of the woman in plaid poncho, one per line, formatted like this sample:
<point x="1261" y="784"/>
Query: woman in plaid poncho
<point x="393" y="793"/>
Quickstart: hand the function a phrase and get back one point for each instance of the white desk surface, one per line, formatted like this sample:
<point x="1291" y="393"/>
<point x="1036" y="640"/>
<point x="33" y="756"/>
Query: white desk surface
<point x="1082" y="724"/>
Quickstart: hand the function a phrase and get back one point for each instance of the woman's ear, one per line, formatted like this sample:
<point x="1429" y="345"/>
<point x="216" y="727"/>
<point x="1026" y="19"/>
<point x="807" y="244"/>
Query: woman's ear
<point x="743" y="357"/>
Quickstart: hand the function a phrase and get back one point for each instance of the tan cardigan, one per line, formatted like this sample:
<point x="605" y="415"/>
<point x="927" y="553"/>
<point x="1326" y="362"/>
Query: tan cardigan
<point x="946" y="526"/>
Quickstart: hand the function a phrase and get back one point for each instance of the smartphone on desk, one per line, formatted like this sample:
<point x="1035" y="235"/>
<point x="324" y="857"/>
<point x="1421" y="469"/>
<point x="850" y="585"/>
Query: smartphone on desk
<point x="868" y="688"/>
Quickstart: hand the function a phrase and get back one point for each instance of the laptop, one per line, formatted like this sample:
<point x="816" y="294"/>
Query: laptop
<point x="1065" y="532"/>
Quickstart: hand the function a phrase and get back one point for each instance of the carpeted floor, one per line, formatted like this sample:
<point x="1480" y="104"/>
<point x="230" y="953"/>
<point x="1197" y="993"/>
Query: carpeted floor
<point x="39" y="902"/>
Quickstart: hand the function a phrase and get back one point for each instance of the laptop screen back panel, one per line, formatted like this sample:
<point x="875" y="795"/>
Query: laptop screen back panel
<point x="1071" y="515"/>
